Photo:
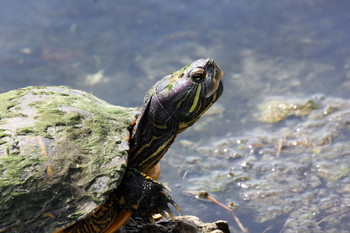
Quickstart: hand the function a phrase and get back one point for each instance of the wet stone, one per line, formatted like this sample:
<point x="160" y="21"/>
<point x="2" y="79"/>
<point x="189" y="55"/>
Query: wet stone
<point x="181" y="224"/>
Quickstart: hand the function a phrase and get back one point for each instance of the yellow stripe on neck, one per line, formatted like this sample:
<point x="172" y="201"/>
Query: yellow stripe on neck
<point x="196" y="98"/>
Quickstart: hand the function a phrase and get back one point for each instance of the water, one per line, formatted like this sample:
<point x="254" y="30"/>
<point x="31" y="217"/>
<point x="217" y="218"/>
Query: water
<point x="117" y="50"/>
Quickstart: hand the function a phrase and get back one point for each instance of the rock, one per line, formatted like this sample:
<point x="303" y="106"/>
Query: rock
<point x="181" y="224"/>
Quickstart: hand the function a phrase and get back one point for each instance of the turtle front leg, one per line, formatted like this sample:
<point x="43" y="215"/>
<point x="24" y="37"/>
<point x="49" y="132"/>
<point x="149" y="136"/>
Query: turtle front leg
<point x="142" y="195"/>
<point x="146" y="197"/>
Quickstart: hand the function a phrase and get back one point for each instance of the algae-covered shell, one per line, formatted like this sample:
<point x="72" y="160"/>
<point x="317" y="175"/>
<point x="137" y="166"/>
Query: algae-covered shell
<point x="62" y="152"/>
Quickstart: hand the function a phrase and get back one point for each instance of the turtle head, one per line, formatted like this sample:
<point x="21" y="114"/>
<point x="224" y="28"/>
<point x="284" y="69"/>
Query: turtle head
<point x="172" y="105"/>
<point x="187" y="93"/>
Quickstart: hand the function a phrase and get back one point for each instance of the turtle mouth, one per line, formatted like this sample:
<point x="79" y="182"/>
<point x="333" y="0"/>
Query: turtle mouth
<point x="215" y="84"/>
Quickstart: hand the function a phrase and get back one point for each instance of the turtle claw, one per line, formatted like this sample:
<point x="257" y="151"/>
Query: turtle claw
<point x="151" y="220"/>
<point x="161" y="205"/>
<point x="177" y="208"/>
<point x="170" y="213"/>
<point x="173" y="203"/>
<point x="164" y="214"/>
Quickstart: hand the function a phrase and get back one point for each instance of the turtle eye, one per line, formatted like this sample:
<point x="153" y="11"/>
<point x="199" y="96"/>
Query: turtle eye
<point x="198" y="75"/>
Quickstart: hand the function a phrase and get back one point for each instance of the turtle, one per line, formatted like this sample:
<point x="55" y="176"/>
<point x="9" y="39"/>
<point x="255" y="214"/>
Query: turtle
<point x="71" y="162"/>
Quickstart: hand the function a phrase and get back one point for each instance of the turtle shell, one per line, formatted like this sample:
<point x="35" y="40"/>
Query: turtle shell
<point x="62" y="152"/>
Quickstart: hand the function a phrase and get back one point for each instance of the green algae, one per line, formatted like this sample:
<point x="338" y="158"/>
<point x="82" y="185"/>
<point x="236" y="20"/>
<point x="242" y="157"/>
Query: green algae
<point x="8" y="101"/>
<point x="277" y="109"/>
<point x="3" y="133"/>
